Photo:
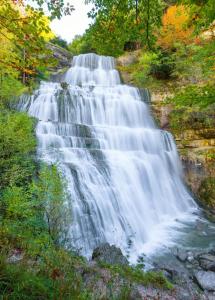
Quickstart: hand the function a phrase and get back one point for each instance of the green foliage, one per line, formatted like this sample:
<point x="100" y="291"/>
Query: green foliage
<point x="22" y="224"/>
<point x="49" y="192"/>
<point x="17" y="145"/>
<point x="195" y="96"/>
<point x="60" y="42"/>
<point x="80" y="45"/>
<point x="189" y="64"/>
<point x="56" y="8"/>
<point x="191" y="118"/>
<point x="32" y="216"/>
<point x="42" y="281"/>
<point x="146" y="60"/>
<point x="120" y="23"/>
<point x="207" y="192"/>
<point x="194" y="62"/>
<point x="24" y="32"/>
<point x="202" y="12"/>
<point x="163" y="67"/>
<point x="135" y="274"/>
<point x="153" y="69"/>
<point x="10" y="87"/>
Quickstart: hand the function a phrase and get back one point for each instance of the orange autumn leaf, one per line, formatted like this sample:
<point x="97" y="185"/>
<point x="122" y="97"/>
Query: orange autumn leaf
<point x="175" y="27"/>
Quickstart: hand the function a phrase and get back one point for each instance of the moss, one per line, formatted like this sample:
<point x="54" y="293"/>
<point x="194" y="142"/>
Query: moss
<point x="206" y="192"/>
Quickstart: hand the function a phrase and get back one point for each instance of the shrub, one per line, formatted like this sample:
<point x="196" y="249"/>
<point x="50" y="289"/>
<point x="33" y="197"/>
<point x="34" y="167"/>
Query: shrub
<point x="17" y="146"/>
<point x="207" y="192"/>
<point x="195" y="96"/>
<point x="163" y="67"/>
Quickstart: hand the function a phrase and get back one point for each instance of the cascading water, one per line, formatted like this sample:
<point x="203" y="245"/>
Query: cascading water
<point x="123" y="173"/>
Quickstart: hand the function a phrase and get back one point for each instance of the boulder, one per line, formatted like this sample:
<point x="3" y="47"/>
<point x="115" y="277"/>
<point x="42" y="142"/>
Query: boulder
<point x="207" y="262"/>
<point x="109" y="254"/>
<point x="206" y="280"/>
<point x="181" y="254"/>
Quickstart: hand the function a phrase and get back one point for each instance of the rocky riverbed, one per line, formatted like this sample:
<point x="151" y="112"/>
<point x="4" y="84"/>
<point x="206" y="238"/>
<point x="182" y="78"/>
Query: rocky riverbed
<point x="192" y="274"/>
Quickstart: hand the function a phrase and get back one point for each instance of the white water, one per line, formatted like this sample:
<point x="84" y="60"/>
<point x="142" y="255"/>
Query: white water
<point x="123" y="173"/>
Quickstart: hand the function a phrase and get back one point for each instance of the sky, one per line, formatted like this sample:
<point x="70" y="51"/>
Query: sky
<point x="67" y="27"/>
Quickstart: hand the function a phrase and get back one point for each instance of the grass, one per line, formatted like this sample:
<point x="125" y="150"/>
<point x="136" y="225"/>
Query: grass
<point x="137" y="275"/>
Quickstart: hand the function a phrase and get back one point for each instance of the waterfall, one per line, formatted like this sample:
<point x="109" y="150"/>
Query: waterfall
<point x="123" y="173"/>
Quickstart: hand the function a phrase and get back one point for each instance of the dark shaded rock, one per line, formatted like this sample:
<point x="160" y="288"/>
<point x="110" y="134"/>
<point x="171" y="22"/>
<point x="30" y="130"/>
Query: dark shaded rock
<point x="174" y="268"/>
<point x="207" y="262"/>
<point x="181" y="254"/>
<point x="109" y="254"/>
<point x="181" y="277"/>
<point x="145" y="95"/>
<point x="64" y="85"/>
<point x="206" y="280"/>
<point x="62" y="56"/>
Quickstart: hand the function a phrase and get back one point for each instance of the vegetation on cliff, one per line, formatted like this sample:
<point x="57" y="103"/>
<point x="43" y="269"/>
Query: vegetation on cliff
<point x="172" y="53"/>
<point x="36" y="262"/>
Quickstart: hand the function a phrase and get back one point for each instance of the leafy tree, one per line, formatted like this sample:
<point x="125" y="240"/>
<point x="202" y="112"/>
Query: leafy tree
<point x="57" y="8"/>
<point x="119" y="23"/>
<point x="202" y="12"/>
<point x="81" y="44"/>
<point x="24" y="31"/>
<point x="49" y="191"/>
<point x="17" y="144"/>
<point x="175" y="27"/>
<point x="60" y="42"/>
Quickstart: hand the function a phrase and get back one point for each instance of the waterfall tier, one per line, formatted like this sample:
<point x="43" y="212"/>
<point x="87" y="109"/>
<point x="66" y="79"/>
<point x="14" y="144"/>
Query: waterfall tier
<point x="124" y="176"/>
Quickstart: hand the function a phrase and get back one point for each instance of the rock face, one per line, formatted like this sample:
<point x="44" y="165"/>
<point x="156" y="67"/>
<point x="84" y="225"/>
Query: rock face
<point x="190" y="272"/>
<point x="62" y="56"/>
<point x="109" y="254"/>
<point x="206" y="279"/>
<point x="207" y="262"/>
<point x="127" y="60"/>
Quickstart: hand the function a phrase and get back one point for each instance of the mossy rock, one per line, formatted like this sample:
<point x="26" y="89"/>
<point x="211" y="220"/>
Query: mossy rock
<point x="206" y="192"/>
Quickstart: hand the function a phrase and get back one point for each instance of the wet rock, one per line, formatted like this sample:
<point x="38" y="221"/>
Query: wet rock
<point x="109" y="254"/>
<point x="173" y="267"/>
<point x="190" y="257"/>
<point x="206" y="280"/>
<point x="207" y="262"/>
<point x="181" y="254"/>
<point x="64" y="85"/>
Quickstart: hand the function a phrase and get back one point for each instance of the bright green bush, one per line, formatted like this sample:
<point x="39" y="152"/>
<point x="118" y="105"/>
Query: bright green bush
<point x="17" y="146"/>
<point x="10" y="88"/>
<point x="49" y="191"/>
<point x="80" y="45"/>
<point x="206" y="192"/>
<point x="153" y="68"/>
<point x="194" y="62"/>
<point x="195" y="96"/>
